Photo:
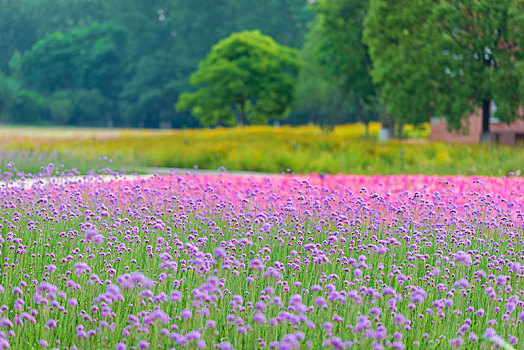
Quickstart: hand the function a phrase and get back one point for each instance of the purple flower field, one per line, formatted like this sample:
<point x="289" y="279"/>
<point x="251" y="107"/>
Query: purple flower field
<point x="263" y="262"/>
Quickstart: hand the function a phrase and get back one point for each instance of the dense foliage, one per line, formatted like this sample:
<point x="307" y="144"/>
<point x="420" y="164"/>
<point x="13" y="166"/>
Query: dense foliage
<point x="397" y="46"/>
<point x="245" y="77"/>
<point x="481" y="45"/>
<point x="133" y="59"/>
<point x="94" y="62"/>
<point x="448" y="58"/>
<point x="346" y="61"/>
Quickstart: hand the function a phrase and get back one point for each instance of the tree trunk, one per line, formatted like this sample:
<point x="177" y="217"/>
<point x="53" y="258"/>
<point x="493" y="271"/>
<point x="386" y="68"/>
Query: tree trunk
<point x="337" y="111"/>
<point x="366" y="124"/>
<point x="362" y="118"/>
<point x="400" y="128"/>
<point x="311" y="119"/>
<point x="110" y="119"/>
<point x="388" y="122"/>
<point x="4" y="114"/>
<point x="242" y="113"/>
<point x="486" y="114"/>
<point x="358" y="112"/>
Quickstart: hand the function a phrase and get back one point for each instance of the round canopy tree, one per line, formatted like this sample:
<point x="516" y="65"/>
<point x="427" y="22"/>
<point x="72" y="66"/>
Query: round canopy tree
<point x="247" y="76"/>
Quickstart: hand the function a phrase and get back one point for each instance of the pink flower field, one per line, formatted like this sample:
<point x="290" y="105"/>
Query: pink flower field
<point x="262" y="262"/>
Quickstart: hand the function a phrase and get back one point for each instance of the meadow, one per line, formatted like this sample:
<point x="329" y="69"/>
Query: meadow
<point x="305" y="149"/>
<point x="262" y="262"/>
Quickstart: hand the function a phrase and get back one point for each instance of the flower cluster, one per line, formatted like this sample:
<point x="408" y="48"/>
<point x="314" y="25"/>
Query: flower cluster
<point x="280" y="262"/>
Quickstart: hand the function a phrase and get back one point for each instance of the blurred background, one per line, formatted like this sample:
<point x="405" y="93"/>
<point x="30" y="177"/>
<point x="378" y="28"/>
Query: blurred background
<point x="419" y="71"/>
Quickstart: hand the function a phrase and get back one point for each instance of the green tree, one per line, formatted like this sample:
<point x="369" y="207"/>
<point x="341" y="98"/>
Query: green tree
<point x="285" y="20"/>
<point x="399" y="50"/>
<point x="147" y="97"/>
<point x="24" y="22"/>
<point x="447" y="58"/>
<point x="61" y="107"/>
<point x="20" y="105"/>
<point x="140" y="58"/>
<point x="8" y="90"/>
<point x="80" y="107"/>
<point x="86" y="59"/>
<point x="477" y="45"/>
<point x="167" y="39"/>
<point x="340" y="50"/>
<point x="245" y="77"/>
<point x="82" y="58"/>
<point x="91" y="108"/>
<point x="318" y="93"/>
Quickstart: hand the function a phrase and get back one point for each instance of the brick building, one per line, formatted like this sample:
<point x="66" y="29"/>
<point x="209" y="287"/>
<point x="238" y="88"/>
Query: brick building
<point x="509" y="134"/>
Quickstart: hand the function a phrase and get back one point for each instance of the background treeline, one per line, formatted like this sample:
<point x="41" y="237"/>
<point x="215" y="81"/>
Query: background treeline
<point x="120" y="63"/>
<point x="126" y="63"/>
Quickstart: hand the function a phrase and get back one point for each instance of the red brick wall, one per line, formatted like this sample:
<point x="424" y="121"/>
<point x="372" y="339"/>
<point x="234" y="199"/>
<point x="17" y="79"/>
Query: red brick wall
<point x="516" y="126"/>
<point x="473" y="129"/>
<point x="470" y="132"/>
